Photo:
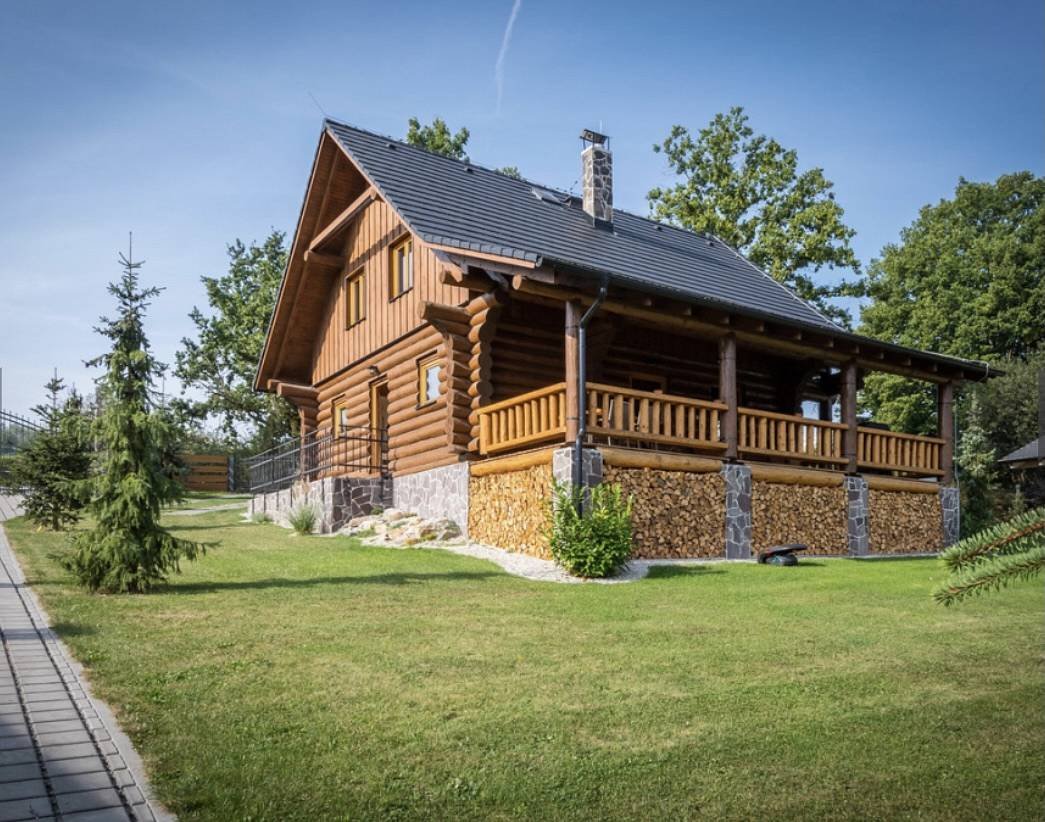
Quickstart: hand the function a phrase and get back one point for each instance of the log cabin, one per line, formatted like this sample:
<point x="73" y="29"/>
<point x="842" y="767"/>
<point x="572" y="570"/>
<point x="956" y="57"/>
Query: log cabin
<point x="456" y="340"/>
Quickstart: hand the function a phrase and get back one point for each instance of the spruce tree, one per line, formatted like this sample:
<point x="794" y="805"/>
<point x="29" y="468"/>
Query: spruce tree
<point x="127" y="551"/>
<point x="55" y="463"/>
<point x="994" y="557"/>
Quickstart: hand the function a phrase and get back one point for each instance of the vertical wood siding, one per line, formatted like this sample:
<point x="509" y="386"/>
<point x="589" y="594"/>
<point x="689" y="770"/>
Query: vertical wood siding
<point x="367" y="245"/>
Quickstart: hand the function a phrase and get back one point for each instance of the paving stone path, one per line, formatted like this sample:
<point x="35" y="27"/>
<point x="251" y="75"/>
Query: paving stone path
<point x="59" y="757"/>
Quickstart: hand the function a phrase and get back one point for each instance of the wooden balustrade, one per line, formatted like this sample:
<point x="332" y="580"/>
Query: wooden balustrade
<point x="532" y="418"/>
<point x="892" y="451"/>
<point x="767" y="434"/>
<point x="654" y="418"/>
<point x="649" y="419"/>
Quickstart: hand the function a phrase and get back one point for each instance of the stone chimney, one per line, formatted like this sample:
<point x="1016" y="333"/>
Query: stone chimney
<point x="597" y="177"/>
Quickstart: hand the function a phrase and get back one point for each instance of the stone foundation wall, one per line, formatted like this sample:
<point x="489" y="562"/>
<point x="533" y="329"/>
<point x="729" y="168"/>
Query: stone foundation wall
<point x="905" y="522"/>
<point x="675" y="513"/>
<point x="815" y="515"/>
<point x="439" y="493"/>
<point x="508" y="510"/>
<point x="336" y="500"/>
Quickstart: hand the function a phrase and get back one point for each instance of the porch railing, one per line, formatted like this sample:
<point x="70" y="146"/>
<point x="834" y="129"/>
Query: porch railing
<point x="767" y="434"/>
<point x="529" y="419"/>
<point x="318" y="454"/>
<point x="893" y="451"/>
<point x="646" y="419"/>
<point x="646" y="416"/>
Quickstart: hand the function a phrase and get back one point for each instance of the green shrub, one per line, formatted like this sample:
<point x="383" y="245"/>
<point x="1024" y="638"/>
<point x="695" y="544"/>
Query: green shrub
<point x="593" y="540"/>
<point x="303" y="519"/>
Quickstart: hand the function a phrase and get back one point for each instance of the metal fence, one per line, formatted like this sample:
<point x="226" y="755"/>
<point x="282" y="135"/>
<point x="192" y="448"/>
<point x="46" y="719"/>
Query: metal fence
<point x="15" y="432"/>
<point x="351" y="450"/>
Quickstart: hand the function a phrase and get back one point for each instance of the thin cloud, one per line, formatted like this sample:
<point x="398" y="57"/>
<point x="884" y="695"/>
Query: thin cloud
<point x="498" y="71"/>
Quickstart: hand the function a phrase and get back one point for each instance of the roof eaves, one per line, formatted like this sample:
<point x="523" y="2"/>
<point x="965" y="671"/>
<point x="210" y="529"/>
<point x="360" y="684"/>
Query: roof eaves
<point x="482" y="248"/>
<point x="828" y="327"/>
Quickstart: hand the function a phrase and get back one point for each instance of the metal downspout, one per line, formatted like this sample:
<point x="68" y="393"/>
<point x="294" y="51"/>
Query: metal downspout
<point x="582" y="379"/>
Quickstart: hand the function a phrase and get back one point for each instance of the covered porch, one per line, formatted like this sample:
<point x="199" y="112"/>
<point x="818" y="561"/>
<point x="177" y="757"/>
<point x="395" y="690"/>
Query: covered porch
<point x="626" y="417"/>
<point x="721" y="387"/>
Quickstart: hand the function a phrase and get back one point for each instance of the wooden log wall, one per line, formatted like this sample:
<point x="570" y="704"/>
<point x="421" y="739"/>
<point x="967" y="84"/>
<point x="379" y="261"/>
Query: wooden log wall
<point x="418" y="437"/>
<point x="904" y="522"/>
<point x="816" y="515"/>
<point x="367" y="245"/>
<point x="484" y="312"/>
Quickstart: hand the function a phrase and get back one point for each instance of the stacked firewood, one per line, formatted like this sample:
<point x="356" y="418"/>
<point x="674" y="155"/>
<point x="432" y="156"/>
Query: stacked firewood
<point x="675" y="513"/>
<point x="509" y="510"/>
<point x="783" y="513"/>
<point x="905" y="522"/>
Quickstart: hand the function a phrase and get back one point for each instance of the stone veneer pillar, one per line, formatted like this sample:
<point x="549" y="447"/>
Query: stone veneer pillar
<point x="950" y="506"/>
<point x="738" y="510"/>
<point x="858" y="516"/>
<point x="591" y="466"/>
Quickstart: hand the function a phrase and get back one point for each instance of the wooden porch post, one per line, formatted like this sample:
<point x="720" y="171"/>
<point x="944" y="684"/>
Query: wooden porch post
<point x="573" y="320"/>
<point x="945" y="417"/>
<point x="848" y="400"/>
<point x="727" y="391"/>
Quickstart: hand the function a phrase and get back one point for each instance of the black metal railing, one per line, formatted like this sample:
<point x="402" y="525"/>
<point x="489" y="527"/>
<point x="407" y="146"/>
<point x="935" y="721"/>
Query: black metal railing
<point x="15" y="432"/>
<point x="352" y="450"/>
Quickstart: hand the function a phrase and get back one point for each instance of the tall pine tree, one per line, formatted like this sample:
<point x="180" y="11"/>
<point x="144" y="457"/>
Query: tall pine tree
<point x="56" y="462"/>
<point x="127" y="551"/>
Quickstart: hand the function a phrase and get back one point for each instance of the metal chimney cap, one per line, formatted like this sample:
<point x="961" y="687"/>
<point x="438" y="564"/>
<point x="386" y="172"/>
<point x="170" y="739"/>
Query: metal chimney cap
<point x="594" y="137"/>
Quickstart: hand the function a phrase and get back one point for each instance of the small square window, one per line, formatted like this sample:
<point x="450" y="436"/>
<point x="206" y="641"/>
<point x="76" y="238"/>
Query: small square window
<point x="340" y="419"/>
<point x="401" y="268"/>
<point x="355" y="298"/>
<point x="429" y="373"/>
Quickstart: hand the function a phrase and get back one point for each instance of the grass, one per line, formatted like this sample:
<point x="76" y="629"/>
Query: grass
<point x="209" y="499"/>
<point x="288" y="679"/>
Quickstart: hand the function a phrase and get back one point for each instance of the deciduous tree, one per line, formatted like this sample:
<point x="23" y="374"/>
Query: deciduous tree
<point x="967" y="278"/>
<point x="437" y="138"/>
<point x="220" y="362"/>
<point x="747" y="190"/>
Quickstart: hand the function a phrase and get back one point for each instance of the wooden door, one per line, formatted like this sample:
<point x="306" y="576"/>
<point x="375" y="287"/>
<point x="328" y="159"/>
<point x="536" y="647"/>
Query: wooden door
<point x="378" y="420"/>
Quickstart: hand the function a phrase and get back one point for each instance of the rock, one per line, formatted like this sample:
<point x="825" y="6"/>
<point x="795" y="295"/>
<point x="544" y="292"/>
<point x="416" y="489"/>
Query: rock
<point x="401" y="528"/>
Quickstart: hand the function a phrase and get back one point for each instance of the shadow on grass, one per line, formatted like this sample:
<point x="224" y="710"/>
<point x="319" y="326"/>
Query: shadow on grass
<point x="376" y="579"/>
<point x="68" y="629"/>
<point x="673" y="571"/>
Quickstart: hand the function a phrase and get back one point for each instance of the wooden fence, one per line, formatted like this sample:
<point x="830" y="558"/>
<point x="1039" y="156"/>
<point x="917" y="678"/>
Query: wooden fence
<point x="207" y="472"/>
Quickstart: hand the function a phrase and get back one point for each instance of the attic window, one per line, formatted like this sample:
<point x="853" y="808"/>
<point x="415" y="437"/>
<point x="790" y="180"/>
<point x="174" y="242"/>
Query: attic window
<point x="355" y="299"/>
<point x="548" y="196"/>
<point x="401" y="269"/>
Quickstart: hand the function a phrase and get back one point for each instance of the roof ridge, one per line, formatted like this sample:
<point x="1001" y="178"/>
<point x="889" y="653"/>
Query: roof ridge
<point x="469" y="162"/>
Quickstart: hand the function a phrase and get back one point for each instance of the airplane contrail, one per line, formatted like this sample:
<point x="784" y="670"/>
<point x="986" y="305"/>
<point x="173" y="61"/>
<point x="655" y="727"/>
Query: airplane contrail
<point x="498" y="71"/>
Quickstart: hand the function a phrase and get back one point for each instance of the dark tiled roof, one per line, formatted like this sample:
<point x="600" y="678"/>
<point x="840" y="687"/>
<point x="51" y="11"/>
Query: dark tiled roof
<point x="1031" y="451"/>
<point x="449" y="202"/>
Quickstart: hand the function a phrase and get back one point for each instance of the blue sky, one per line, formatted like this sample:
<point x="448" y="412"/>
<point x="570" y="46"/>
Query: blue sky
<point x="193" y="123"/>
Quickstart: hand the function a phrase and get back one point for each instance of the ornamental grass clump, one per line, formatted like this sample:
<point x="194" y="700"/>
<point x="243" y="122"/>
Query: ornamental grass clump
<point x="592" y="539"/>
<point x="303" y="520"/>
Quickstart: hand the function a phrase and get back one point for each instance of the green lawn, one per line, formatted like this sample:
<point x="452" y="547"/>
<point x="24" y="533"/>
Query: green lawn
<point x="311" y="678"/>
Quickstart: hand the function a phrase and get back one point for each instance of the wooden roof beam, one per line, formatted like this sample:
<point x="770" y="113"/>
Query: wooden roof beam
<point x="342" y="220"/>
<point x="749" y="331"/>
<point x="325" y="260"/>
